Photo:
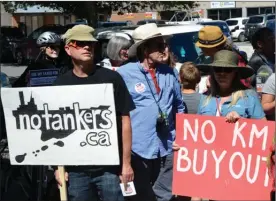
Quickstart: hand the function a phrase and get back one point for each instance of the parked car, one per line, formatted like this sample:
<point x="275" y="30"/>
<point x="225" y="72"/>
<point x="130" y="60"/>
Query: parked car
<point x="141" y="22"/>
<point x="271" y="24"/>
<point x="28" y="50"/>
<point x="237" y="27"/>
<point x="11" y="38"/>
<point x="114" y="24"/>
<point x="5" y="82"/>
<point x="222" y="25"/>
<point x="255" y="22"/>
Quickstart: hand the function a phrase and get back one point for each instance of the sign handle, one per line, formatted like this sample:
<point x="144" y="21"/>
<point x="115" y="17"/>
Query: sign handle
<point x="63" y="188"/>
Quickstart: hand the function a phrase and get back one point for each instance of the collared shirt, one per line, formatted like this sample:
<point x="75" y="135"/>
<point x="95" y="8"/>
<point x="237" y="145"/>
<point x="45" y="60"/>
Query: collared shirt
<point x="146" y="142"/>
<point x="247" y="107"/>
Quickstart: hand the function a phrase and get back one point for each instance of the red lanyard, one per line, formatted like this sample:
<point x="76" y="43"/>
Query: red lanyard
<point x="218" y="110"/>
<point x="153" y="75"/>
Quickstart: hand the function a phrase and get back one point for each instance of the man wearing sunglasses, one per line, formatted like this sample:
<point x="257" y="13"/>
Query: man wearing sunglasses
<point x="97" y="182"/>
<point x="157" y="96"/>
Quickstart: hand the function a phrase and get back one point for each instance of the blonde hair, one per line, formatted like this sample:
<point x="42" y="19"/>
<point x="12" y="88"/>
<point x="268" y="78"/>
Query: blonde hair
<point x="238" y="92"/>
<point x="189" y="75"/>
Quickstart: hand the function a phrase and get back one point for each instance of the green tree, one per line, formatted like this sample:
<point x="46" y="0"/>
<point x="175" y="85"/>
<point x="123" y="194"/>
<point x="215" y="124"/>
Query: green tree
<point x="90" y="9"/>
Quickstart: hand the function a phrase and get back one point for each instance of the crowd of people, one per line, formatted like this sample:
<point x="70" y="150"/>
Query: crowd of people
<point x="149" y="92"/>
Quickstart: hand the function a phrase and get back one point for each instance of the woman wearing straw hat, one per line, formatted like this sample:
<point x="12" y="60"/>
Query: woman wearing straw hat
<point x="211" y="40"/>
<point x="227" y="90"/>
<point x="228" y="96"/>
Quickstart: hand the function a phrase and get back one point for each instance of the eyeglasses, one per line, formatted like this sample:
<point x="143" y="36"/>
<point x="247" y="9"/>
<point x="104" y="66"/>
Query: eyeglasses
<point x="222" y="69"/>
<point x="81" y="44"/>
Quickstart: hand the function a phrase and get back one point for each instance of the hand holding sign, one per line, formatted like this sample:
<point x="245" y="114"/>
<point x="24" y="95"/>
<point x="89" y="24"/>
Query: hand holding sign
<point x="230" y="158"/>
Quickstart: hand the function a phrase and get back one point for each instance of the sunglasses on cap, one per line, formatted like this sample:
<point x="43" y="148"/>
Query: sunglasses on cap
<point x="81" y="44"/>
<point x="223" y="70"/>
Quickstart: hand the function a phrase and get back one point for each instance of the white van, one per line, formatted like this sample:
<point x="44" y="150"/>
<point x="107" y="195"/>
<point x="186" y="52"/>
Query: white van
<point x="237" y="27"/>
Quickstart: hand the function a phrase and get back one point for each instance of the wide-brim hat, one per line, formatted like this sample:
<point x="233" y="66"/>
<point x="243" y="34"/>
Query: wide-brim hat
<point x="144" y="33"/>
<point x="79" y="32"/>
<point x="210" y="36"/>
<point x="227" y="59"/>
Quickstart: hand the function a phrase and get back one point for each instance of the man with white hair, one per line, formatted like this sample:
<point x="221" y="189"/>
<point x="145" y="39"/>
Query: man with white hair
<point x="156" y="94"/>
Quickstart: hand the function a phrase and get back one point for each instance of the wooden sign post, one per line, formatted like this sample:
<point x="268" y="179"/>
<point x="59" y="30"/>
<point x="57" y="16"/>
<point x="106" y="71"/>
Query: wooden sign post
<point x="63" y="188"/>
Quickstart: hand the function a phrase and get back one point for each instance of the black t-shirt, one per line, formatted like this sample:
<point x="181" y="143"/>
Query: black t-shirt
<point x="123" y="101"/>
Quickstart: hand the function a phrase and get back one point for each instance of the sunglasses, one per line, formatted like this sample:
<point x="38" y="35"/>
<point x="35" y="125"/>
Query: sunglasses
<point x="224" y="70"/>
<point x="54" y="47"/>
<point x="81" y="44"/>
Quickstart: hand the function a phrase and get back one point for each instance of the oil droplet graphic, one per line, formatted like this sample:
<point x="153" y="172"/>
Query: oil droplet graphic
<point x="82" y="144"/>
<point x="59" y="143"/>
<point x="20" y="158"/>
<point x="44" y="148"/>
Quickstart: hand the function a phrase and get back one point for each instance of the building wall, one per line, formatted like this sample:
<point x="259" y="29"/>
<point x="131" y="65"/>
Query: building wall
<point x="135" y="17"/>
<point x="6" y="18"/>
<point x="240" y="9"/>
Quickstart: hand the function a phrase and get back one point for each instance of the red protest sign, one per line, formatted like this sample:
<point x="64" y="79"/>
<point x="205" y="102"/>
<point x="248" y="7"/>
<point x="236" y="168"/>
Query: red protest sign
<point x="222" y="161"/>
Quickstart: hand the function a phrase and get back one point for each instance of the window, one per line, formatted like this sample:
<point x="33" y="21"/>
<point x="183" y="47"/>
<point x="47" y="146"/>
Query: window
<point x="236" y="12"/>
<point x="266" y="10"/>
<point x="184" y="48"/>
<point x="252" y="11"/>
<point x="255" y="20"/>
<point x="34" y="35"/>
<point x="231" y="22"/>
<point x="224" y="14"/>
<point x="213" y="14"/>
<point x="244" y="21"/>
<point x="270" y="17"/>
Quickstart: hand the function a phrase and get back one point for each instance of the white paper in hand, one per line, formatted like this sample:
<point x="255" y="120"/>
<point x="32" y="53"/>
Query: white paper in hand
<point x="130" y="191"/>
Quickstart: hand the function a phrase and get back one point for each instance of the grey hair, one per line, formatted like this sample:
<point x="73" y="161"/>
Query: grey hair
<point x="115" y="45"/>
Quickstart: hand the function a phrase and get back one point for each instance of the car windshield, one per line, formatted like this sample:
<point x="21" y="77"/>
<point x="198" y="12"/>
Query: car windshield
<point x="12" y="32"/>
<point x="184" y="48"/>
<point x="232" y="22"/>
<point x="256" y="19"/>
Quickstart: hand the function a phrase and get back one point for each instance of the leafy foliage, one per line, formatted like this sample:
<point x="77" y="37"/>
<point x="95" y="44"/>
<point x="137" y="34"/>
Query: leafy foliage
<point x="90" y="9"/>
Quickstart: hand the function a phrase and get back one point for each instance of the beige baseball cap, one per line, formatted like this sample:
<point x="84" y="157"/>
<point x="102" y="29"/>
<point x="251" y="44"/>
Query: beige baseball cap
<point x="79" y="32"/>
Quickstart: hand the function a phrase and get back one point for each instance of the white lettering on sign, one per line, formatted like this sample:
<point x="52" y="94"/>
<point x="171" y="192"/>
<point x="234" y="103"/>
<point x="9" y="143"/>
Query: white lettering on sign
<point x="258" y="134"/>
<point x="232" y="158"/>
<point x="194" y="132"/>
<point x="204" y="162"/>
<point x="240" y="165"/>
<point x="218" y="161"/>
<point x="189" y="162"/>
<point x="237" y="134"/>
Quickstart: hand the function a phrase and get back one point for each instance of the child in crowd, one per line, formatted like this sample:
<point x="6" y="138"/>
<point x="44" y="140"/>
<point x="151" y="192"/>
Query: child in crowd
<point x="190" y="77"/>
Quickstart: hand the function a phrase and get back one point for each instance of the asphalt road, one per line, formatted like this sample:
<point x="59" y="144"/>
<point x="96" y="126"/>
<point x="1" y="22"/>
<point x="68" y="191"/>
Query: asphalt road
<point x="14" y="71"/>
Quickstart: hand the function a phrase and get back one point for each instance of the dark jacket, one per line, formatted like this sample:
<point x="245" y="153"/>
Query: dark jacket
<point x="257" y="61"/>
<point x="22" y="81"/>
